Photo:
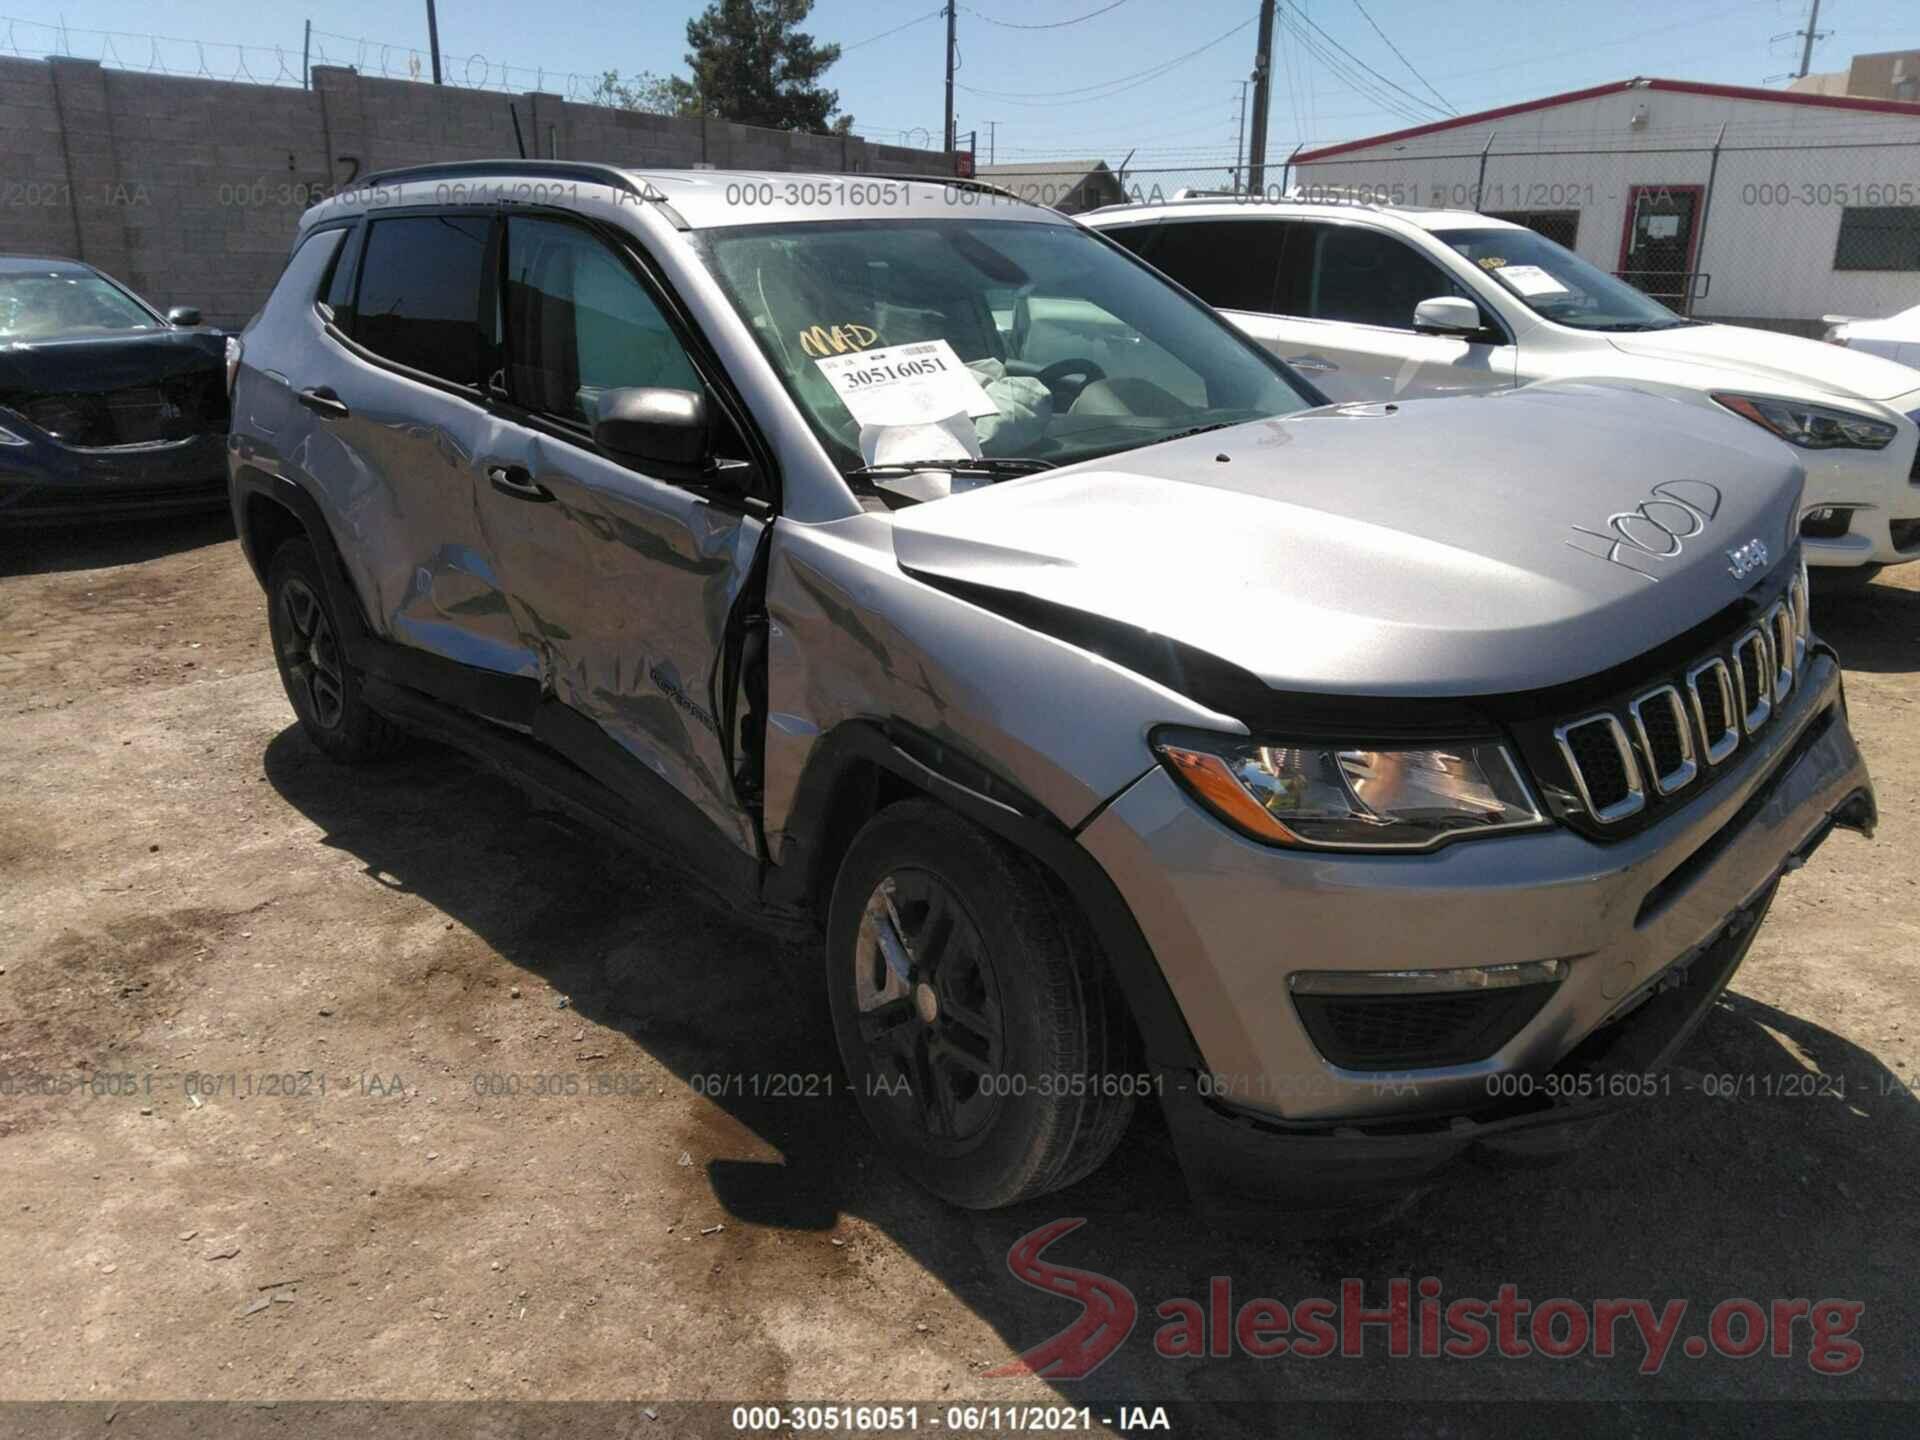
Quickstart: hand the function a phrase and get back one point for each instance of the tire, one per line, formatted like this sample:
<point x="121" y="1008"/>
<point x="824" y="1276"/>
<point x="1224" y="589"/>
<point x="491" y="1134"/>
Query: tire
<point x="980" y="1071"/>
<point x="322" y="688"/>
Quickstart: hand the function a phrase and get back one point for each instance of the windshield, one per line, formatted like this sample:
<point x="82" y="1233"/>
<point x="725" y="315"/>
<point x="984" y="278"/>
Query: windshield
<point x="1554" y="282"/>
<point x="36" y="307"/>
<point x="944" y="341"/>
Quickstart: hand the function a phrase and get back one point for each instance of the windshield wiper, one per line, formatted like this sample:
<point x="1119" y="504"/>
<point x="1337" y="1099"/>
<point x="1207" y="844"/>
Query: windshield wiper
<point x="1639" y="327"/>
<point x="1195" y="430"/>
<point x="986" y="465"/>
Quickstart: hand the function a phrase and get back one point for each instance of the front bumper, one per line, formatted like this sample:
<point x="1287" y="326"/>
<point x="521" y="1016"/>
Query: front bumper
<point x="45" y="481"/>
<point x="1669" y="910"/>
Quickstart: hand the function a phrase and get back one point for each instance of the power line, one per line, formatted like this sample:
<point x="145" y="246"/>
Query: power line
<point x="1301" y="16"/>
<point x="1347" y="75"/>
<point x="1107" y="88"/>
<point x="1053" y="25"/>
<point x="919" y="20"/>
<point x="1403" y="59"/>
<point x="1076" y="129"/>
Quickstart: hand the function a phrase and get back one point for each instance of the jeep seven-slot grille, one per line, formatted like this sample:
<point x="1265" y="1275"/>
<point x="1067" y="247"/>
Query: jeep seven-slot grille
<point x="1667" y="739"/>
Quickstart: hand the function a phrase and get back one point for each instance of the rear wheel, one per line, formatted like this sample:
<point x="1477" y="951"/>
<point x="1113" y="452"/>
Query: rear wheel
<point x="985" y="1044"/>
<point x="323" y="689"/>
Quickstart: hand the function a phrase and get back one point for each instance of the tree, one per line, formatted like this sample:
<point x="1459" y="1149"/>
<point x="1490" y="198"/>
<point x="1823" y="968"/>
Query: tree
<point x="654" y="94"/>
<point x="751" y="64"/>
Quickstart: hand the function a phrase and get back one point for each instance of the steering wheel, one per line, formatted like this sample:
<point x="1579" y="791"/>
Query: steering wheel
<point x="1058" y="378"/>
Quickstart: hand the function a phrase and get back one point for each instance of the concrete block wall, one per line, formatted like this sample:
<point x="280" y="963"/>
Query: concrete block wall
<point x="190" y="190"/>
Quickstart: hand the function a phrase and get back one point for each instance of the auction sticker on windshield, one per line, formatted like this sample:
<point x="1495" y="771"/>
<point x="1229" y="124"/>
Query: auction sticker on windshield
<point x="1530" y="280"/>
<point x="906" y="384"/>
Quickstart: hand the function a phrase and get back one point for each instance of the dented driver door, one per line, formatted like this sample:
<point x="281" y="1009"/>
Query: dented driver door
<point x="620" y="583"/>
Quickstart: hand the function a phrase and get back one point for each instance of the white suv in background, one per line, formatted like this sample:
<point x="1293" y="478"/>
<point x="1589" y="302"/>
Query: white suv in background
<point x="1380" y="303"/>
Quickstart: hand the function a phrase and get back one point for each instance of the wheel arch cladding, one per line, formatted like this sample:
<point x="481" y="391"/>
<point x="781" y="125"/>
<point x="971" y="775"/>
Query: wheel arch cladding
<point x="864" y="766"/>
<point x="267" y="525"/>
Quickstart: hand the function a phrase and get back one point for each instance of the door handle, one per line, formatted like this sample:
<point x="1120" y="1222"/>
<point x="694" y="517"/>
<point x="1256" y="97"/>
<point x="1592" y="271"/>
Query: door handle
<point x="1311" y="364"/>
<point x="517" y="481"/>
<point x="322" y="401"/>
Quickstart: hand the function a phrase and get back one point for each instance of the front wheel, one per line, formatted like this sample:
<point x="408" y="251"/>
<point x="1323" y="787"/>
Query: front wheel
<point x="983" y="1039"/>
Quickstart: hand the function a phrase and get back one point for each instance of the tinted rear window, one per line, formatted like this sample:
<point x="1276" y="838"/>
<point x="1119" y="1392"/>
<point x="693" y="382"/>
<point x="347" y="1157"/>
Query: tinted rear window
<point x="419" y="294"/>
<point x="337" y="295"/>
<point x="1231" y="264"/>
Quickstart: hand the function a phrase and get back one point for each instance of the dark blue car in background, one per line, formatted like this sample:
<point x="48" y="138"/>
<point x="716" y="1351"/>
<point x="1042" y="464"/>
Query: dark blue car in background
<point x="106" y="405"/>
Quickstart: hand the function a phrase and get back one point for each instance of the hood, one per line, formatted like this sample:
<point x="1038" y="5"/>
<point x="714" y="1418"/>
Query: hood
<point x="95" y="364"/>
<point x="1454" y="547"/>
<point x="1789" y="360"/>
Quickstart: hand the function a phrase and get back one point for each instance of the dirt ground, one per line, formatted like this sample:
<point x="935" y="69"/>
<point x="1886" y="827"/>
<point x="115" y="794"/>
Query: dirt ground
<point x="352" y="964"/>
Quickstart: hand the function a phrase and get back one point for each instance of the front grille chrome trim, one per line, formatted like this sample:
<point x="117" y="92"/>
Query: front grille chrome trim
<point x="1781" y="630"/>
<point x="1752" y="650"/>
<point x="1682" y="774"/>
<point x="1802" y="622"/>
<point x="1635" y="799"/>
<point x="1715" y="672"/>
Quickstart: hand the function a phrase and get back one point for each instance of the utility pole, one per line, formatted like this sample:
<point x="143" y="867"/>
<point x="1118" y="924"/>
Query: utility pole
<point x="1262" y="83"/>
<point x="953" y="18"/>
<point x="1240" y="140"/>
<point x="306" y="58"/>
<point x="433" y="40"/>
<point x="993" y="128"/>
<point x="1812" y="32"/>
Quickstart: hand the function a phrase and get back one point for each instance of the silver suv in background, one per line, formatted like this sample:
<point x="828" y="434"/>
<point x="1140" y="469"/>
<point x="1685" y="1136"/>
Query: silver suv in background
<point x="925" y="574"/>
<point x="1376" y="302"/>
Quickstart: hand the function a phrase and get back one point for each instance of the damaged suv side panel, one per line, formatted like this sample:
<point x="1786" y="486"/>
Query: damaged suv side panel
<point x="1066" y="728"/>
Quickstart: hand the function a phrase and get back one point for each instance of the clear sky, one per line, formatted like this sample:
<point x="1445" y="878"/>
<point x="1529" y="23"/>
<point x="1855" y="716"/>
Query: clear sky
<point x="1160" y="76"/>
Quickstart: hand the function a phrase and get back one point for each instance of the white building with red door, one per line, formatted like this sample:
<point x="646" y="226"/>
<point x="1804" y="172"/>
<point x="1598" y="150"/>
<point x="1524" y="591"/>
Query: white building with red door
<point x="1763" y="207"/>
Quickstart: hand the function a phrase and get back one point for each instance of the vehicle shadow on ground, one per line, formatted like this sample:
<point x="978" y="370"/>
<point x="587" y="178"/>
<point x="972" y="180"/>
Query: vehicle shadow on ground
<point x="1779" y="1163"/>
<point x="108" y="541"/>
<point x="1876" y="628"/>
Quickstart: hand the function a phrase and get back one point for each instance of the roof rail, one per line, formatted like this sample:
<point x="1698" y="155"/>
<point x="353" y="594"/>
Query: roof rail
<point x="1186" y="200"/>
<point x="591" y="172"/>
<point x="1319" y="196"/>
<point x="961" y="181"/>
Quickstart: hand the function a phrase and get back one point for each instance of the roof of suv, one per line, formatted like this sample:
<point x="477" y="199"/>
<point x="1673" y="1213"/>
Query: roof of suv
<point x="698" y="199"/>
<point x="1228" y="207"/>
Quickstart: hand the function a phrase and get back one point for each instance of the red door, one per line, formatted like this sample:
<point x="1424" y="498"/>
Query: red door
<point x="1657" y="242"/>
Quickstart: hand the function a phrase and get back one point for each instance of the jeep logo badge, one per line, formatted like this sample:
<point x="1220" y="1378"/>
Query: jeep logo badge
<point x="1749" y="558"/>
<point x="1658" y="528"/>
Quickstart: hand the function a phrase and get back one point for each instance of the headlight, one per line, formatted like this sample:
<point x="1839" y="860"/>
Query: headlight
<point x="1389" y="799"/>
<point x="7" y="437"/>
<point x="1811" y="427"/>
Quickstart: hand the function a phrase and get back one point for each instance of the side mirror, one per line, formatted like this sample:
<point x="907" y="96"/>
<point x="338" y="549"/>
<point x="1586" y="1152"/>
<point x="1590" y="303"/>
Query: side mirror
<point x="653" y="426"/>
<point x="1447" y="315"/>
<point x="183" y="315"/>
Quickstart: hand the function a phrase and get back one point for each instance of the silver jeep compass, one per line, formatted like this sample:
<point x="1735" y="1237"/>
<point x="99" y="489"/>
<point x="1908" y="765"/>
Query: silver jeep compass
<point x="1362" y="785"/>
